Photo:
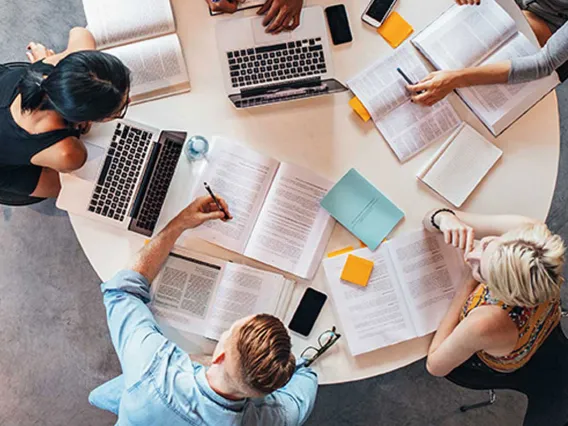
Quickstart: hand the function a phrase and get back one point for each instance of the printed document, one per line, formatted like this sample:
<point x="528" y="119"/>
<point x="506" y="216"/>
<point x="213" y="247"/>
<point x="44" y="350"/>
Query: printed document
<point x="411" y="287"/>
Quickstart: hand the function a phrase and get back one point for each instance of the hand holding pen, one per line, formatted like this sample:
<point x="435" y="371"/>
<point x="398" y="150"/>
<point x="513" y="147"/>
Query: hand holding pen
<point x="219" y="203"/>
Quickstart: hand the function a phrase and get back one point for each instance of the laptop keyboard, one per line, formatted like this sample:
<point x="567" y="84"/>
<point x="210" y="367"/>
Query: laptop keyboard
<point x="120" y="172"/>
<point x="277" y="62"/>
<point x="162" y="175"/>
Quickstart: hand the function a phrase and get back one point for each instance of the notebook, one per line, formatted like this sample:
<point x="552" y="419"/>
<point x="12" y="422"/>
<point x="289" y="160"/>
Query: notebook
<point x="468" y="36"/>
<point x="204" y="295"/>
<point x="141" y="33"/>
<point x="412" y="285"/>
<point x="407" y="127"/>
<point x="276" y="208"/>
<point x="459" y="165"/>
<point x="395" y="30"/>
<point x="246" y="4"/>
<point x="362" y="209"/>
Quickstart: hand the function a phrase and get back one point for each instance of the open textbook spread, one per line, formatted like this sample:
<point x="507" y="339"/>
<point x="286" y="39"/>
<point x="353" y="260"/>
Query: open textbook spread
<point x="460" y="164"/>
<point x="203" y="295"/>
<point x="468" y="36"/>
<point x="277" y="217"/>
<point x="141" y="33"/>
<point x="407" y="127"/>
<point x="411" y="287"/>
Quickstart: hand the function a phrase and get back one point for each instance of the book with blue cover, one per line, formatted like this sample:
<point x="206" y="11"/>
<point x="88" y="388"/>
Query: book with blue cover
<point x="361" y="208"/>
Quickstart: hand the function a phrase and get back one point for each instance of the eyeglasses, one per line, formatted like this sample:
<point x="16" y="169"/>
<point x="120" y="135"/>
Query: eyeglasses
<point x="122" y="113"/>
<point x="326" y="340"/>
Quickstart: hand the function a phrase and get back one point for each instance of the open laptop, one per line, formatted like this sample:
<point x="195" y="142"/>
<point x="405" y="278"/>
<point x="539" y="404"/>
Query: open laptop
<point x="127" y="175"/>
<point x="260" y="68"/>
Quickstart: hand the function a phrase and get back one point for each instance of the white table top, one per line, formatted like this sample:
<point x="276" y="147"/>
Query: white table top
<point x="326" y="136"/>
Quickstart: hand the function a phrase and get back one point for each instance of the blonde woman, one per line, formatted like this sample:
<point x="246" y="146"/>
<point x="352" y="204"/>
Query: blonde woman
<point x="511" y="304"/>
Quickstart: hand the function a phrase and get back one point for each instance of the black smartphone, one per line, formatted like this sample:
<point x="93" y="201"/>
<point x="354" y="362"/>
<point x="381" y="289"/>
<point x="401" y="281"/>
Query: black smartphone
<point x="338" y="24"/>
<point x="377" y="11"/>
<point x="307" y="312"/>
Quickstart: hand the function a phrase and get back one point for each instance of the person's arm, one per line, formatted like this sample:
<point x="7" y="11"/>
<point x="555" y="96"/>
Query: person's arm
<point x="281" y="15"/>
<point x="134" y="331"/>
<point x="299" y="395"/>
<point x="461" y="229"/>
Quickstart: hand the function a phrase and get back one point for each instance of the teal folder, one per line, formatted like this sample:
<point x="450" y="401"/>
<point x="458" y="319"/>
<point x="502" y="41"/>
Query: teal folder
<point x="362" y="209"/>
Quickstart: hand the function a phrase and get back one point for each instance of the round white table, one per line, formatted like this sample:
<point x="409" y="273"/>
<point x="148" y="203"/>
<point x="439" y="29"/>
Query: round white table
<point x="326" y="136"/>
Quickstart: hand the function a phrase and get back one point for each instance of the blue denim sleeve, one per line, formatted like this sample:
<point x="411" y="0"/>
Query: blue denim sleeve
<point x="299" y="395"/>
<point x="134" y="331"/>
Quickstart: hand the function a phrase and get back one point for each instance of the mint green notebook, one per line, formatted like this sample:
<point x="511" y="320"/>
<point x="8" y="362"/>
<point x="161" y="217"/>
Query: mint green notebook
<point x="362" y="209"/>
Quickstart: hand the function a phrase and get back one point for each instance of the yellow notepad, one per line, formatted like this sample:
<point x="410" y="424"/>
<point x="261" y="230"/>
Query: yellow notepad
<point x="360" y="109"/>
<point x="357" y="270"/>
<point x="395" y="30"/>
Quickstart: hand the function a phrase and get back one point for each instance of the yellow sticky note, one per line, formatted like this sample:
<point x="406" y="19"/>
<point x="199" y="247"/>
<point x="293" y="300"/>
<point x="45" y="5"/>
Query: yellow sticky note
<point x="395" y="30"/>
<point x="360" y="109"/>
<point x="340" y="251"/>
<point x="357" y="270"/>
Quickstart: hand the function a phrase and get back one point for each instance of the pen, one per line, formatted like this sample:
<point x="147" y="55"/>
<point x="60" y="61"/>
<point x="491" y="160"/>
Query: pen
<point x="409" y="81"/>
<point x="405" y="77"/>
<point x="219" y="206"/>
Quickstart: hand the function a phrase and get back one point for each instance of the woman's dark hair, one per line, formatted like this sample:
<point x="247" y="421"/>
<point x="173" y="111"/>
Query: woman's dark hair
<point x="84" y="86"/>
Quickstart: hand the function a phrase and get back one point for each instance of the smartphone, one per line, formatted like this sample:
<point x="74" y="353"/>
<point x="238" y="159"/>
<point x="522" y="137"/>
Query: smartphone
<point x="377" y="11"/>
<point x="307" y="312"/>
<point x="338" y="24"/>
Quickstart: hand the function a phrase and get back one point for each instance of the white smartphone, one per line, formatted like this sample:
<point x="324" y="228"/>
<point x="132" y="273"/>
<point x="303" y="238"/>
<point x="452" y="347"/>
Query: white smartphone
<point x="377" y="11"/>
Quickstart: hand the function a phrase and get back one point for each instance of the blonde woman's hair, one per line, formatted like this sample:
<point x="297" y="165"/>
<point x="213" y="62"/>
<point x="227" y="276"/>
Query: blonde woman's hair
<point x="526" y="269"/>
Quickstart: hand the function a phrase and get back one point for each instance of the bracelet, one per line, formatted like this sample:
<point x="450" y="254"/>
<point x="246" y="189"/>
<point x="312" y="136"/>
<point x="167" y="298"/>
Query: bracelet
<point x="439" y="211"/>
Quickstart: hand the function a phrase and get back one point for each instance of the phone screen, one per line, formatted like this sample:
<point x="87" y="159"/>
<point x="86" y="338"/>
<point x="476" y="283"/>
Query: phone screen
<point x="338" y="24"/>
<point x="307" y="312"/>
<point x="379" y="9"/>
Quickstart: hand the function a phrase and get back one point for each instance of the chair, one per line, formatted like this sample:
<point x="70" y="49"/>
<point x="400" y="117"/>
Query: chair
<point x="544" y="380"/>
<point x="10" y="198"/>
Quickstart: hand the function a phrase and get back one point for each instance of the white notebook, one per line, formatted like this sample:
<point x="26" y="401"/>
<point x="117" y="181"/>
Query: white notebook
<point x="278" y="219"/>
<point x="141" y="33"/>
<point x="407" y="127"/>
<point x="468" y="36"/>
<point x="203" y="295"/>
<point x="460" y="165"/>
<point x="410" y="290"/>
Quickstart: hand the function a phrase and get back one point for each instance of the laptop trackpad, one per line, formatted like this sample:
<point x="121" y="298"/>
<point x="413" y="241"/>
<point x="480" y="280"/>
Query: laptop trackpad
<point x="95" y="157"/>
<point x="261" y="37"/>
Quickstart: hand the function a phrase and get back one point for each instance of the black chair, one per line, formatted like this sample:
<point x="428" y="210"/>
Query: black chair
<point x="9" y="198"/>
<point x="544" y="380"/>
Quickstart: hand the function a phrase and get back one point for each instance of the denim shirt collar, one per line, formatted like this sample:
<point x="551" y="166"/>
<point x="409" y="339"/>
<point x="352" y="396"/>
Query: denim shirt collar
<point x="206" y="389"/>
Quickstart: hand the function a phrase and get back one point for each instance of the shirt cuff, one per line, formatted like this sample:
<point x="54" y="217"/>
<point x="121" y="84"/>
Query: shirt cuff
<point x="130" y="282"/>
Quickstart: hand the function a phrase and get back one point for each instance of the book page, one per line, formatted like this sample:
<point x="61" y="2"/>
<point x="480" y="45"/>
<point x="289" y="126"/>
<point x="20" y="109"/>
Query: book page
<point x="115" y="22"/>
<point x="292" y="229"/>
<point x="411" y="127"/>
<point x="184" y="291"/>
<point x="429" y="271"/>
<point x="498" y="105"/>
<point x="374" y="316"/>
<point x="243" y="291"/>
<point x="380" y="87"/>
<point x="465" y="35"/>
<point x="155" y="64"/>
<point x="462" y="165"/>
<point x="242" y="177"/>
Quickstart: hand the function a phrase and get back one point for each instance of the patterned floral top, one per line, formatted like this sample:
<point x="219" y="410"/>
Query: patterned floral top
<point x="534" y="325"/>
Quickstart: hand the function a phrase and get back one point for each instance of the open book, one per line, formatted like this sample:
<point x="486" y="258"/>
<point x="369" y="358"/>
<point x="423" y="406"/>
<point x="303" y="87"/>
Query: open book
<point x="459" y="165"/>
<point x="141" y="33"/>
<point x="203" y="295"/>
<point x="277" y="217"/>
<point x="468" y="36"/>
<point x="411" y="287"/>
<point x="407" y="127"/>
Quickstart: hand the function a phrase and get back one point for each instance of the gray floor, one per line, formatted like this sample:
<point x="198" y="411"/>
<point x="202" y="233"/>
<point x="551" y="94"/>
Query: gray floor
<point x="54" y="346"/>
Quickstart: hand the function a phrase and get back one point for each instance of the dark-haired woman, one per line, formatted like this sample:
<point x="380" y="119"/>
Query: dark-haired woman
<point x="46" y="106"/>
